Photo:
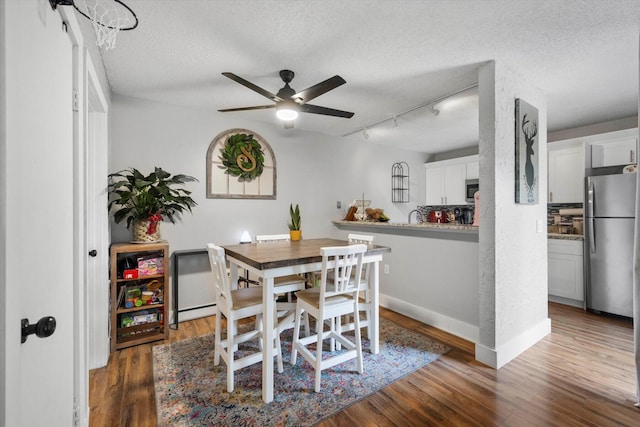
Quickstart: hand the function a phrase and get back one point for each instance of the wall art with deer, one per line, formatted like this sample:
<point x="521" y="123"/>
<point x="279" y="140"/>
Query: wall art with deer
<point x="526" y="182"/>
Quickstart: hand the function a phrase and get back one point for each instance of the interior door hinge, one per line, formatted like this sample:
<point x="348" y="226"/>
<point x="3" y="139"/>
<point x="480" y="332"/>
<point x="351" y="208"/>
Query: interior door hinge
<point x="76" y="413"/>
<point x="76" y="101"/>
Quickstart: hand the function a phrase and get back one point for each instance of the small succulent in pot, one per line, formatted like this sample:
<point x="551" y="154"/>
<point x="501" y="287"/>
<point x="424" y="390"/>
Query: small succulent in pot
<point x="137" y="198"/>
<point x="294" y="213"/>
<point x="294" y="224"/>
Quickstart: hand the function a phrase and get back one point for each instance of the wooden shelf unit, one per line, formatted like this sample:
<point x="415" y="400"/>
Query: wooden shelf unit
<point x="127" y="336"/>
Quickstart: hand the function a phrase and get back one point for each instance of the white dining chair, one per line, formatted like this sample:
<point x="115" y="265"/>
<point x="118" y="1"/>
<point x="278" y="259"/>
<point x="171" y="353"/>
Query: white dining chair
<point x="286" y="286"/>
<point x="328" y="302"/>
<point x="236" y="304"/>
<point x="364" y="305"/>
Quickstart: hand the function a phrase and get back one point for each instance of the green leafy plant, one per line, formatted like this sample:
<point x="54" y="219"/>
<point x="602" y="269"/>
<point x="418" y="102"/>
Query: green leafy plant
<point x="135" y="197"/>
<point x="242" y="156"/>
<point x="295" y="217"/>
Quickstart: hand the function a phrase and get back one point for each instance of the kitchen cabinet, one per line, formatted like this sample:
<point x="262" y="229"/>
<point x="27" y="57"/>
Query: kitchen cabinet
<point x="445" y="185"/>
<point x="615" y="152"/>
<point x="566" y="275"/>
<point x="473" y="169"/>
<point x="445" y="181"/>
<point x="139" y="276"/>
<point x="566" y="175"/>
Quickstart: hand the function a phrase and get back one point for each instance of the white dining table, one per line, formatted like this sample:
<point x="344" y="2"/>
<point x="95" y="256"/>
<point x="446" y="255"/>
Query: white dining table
<point x="295" y="257"/>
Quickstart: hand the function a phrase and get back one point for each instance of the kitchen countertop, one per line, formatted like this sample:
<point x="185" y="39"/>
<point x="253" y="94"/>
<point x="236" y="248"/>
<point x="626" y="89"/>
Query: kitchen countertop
<point x="425" y="226"/>
<point x="565" y="236"/>
<point x="432" y="227"/>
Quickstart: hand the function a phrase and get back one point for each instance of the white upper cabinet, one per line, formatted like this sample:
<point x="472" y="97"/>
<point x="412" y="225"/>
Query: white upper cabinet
<point x="445" y="181"/>
<point x="615" y="152"/>
<point x="473" y="169"/>
<point x="435" y="186"/>
<point x="454" y="177"/>
<point x="566" y="174"/>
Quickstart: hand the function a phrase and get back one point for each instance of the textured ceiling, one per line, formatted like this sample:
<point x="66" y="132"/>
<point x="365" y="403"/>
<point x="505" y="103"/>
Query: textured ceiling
<point x="394" y="55"/>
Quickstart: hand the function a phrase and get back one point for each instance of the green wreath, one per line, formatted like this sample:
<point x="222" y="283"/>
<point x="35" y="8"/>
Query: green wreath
<point x="242" y="156"/>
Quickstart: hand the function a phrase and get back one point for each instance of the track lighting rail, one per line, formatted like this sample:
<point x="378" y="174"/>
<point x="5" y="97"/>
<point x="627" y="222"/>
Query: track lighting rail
<point x="394" y="118"/>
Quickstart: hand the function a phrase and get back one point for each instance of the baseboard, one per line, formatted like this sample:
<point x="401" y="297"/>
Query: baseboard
<point x="497" y="358"/>
<point x="567" y="301"/>
<point x="197" y="313"/>
<point x="438" y="320"/>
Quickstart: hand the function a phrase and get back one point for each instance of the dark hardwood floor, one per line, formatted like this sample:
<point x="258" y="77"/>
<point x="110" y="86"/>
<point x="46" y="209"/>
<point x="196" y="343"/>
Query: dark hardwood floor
<point x="582" y="374"/>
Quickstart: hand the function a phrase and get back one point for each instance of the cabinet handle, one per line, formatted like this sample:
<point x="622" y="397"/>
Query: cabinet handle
<point x="551" y="196"/>
<point x="631" y="156"/>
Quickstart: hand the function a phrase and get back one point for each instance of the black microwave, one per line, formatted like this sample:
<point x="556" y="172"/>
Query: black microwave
<point x="471" y="186"/>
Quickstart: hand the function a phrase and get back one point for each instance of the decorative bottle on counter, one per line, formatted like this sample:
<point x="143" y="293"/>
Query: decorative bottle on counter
<point x="476" y="209"/>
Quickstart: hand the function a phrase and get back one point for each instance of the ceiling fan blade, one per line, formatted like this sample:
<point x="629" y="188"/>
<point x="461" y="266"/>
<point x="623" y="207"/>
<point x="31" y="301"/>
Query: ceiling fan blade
<point x="316" y="109"/>
<point x="257" y="107"/>
<point x="288" y="124"/>
<point x="314" y="91"/>
<point x="243" y="82"/>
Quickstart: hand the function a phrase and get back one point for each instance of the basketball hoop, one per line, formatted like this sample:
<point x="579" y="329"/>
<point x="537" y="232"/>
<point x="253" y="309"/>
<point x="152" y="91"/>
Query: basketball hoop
<point x="107" y="17"/>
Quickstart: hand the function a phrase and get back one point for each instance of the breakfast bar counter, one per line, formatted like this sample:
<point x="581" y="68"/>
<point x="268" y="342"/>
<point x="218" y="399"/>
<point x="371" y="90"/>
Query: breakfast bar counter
<point x="424" y="229"/>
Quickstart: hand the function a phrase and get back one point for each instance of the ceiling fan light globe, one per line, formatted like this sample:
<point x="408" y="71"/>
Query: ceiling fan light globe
<point x="286" y="114"/>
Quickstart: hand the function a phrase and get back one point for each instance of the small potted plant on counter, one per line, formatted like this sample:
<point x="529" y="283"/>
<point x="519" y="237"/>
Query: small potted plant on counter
<point x="294" y="225"/>
<point x="144" y="201"/>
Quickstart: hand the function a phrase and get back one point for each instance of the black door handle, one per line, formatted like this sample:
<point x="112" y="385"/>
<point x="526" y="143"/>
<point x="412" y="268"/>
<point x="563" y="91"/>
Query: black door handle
<point x="44" y="328"/>
<point x="93" y="253"/>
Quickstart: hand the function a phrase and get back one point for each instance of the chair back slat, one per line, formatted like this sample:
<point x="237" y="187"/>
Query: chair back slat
<point x="267" y="238"/>
<point x="365" y="239"/>
<point x="360" y="238"/>
<point x="341" y="259"/>
<point x="221" y="280"/>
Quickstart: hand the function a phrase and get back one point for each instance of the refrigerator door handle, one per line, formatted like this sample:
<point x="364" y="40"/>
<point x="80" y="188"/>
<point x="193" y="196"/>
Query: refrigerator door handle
<point x="590" y="198"/>
<point x="592" y="235"/>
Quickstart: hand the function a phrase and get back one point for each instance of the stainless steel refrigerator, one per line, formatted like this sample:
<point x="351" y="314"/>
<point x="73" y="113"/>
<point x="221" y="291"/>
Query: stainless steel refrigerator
<point x="608" y="242"/>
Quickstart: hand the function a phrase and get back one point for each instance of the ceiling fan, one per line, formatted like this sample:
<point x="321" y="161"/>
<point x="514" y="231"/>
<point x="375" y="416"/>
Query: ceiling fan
<point x="288" y="102"/>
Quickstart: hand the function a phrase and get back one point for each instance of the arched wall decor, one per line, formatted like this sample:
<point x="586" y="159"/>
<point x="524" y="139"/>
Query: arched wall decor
<point x="224" y="185"/>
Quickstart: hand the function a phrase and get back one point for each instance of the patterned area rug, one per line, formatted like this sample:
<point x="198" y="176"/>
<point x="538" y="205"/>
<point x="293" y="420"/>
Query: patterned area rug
<point x="191" y="391"/>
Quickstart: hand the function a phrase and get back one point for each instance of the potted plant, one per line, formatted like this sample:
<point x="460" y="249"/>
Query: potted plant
<point x="294" y="225"/>
<point x="144" y="201"/>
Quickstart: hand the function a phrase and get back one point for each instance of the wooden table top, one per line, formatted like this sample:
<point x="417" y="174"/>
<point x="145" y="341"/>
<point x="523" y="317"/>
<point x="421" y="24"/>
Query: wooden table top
<point x="265" y="256"/>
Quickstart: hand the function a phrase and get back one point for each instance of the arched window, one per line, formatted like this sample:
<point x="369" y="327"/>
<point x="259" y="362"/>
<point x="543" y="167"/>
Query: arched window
<point x="240" y="165"/>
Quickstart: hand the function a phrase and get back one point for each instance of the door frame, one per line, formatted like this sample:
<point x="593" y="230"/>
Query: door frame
<point x="96" y="221"/>
<point x="86" y="85"/>
<point x="3" y="217"/>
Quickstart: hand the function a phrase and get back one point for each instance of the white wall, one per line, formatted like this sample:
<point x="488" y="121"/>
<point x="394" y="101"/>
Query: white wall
<point x="513" y="240"/>
<point x="433" y="279"/>
<point x="314" y="170"/>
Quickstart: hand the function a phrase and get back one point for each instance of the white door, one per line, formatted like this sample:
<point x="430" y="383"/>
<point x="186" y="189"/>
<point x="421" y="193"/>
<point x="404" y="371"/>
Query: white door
<point x="36" y="224"/>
